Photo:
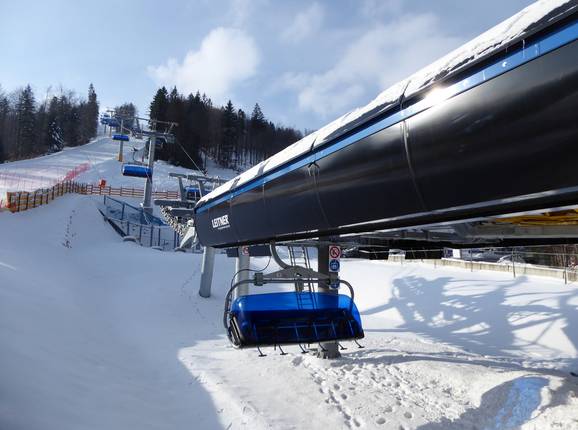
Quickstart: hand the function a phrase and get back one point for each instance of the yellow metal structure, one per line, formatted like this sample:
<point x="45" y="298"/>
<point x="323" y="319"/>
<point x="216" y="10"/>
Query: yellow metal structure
<point x="567" y="217"/>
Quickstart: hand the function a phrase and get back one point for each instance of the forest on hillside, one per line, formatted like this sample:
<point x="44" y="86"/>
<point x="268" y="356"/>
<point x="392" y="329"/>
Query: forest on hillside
<point x="230" y="136"/>
<point x="29" y="128"/>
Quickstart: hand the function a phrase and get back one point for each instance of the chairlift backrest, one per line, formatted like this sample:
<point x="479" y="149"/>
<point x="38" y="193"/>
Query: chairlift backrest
<point x="292" y="318"/>
<point x="120" y="137"/>
<point x="136" y="170"/>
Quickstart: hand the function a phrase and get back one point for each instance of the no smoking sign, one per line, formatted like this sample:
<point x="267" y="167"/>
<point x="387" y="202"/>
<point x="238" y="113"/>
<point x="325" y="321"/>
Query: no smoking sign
<point x="334" y="252"/>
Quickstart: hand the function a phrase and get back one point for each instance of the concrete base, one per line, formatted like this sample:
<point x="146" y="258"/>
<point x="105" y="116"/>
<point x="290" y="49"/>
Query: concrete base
<point x="331" y="351"/>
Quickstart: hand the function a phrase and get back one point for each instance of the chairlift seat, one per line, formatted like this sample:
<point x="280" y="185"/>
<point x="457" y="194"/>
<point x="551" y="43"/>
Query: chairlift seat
<point x="293" y="318"/>
<point x="136" y="171"/>
<point x="121" y="137"/>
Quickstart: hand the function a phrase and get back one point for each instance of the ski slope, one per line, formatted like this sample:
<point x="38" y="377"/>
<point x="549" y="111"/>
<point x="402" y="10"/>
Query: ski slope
<point x="96" y="333"/>
<point x="95" y="160"/>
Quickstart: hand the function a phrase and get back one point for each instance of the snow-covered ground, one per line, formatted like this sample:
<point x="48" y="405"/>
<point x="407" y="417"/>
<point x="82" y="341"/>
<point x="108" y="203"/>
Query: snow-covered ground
<point x="96" y="333"/>
<point x="106" y="334"/>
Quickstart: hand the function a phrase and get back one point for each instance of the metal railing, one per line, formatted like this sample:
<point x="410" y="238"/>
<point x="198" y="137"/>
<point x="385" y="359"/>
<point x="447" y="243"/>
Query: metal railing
<point x="146" y="229"/>
<point x="554" y="261"/>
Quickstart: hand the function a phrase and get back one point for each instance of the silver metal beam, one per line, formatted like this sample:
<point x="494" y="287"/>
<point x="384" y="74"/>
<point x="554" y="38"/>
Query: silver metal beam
<point x="207" y="272"/>
<point x="242" y="270"/>
<point x="146" y="205"/>
<point x="327" y="350"/>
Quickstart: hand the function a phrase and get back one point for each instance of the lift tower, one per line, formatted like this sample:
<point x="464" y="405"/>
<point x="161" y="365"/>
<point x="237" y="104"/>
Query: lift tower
<point x="154" y="135"/>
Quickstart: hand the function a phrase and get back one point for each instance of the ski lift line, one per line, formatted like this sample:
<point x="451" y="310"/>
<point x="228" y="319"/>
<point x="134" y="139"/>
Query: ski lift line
<point x="175" y="124"/>
<point x="551" y="42"/>
<point x="190" y="158"/>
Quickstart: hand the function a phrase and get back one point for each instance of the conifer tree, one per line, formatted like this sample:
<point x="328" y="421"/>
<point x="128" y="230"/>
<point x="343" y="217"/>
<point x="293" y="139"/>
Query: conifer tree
<point x="91" y="115"/>
<point x="159" y="105"/>
<point x="26" y="122"/>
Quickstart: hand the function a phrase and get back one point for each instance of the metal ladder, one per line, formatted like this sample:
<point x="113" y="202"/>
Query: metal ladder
<point x="299" y="256"/>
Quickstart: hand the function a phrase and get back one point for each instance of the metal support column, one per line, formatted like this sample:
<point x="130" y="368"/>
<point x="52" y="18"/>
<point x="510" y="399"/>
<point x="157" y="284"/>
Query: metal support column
<point x="242" y="270"/>
<point x="328" y="350"/>
<point x="120" y="148"/>
<point x="147" y="204"/>
<point x="207" y="272"/>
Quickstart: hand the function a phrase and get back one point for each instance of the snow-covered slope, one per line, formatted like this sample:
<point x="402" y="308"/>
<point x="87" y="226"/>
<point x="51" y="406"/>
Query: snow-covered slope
<point x="96" y="333"/>
<point x="95" y="160"/>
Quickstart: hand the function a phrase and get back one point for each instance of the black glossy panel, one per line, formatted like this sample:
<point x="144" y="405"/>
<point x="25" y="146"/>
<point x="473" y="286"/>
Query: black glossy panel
<point x="248" y="211"/>
<point x="514" y="135"/>
<point x="292" y="203"/>
<point x="216" y="233"/>
<point x="368" y="180"/>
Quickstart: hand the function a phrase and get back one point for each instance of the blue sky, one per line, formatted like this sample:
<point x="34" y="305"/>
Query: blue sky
<point x="305" y="62"/>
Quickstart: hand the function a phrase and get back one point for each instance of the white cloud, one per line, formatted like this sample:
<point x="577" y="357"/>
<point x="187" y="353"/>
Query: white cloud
<point x="377" y="59"/>
<point x="225" y="58"/>
<point x="305" y="24"/>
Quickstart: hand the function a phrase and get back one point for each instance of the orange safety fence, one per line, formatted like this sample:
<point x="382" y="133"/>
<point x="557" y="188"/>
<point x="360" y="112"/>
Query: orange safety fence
<point x="22" y="200"/>
<point x="15" y="179"/>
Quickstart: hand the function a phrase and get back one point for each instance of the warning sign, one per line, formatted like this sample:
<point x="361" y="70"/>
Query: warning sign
<point x="334" y="252"/>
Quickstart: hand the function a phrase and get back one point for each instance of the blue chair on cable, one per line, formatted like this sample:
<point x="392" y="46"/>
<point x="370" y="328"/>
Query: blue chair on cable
<point x="291" y="318"/>
<point x="136" y="170"/>
<point x="120" y="137"/>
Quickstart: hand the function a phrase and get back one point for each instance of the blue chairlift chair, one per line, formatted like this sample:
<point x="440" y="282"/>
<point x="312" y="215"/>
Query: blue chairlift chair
<point x="136" y="170"/>
<point x="120" y="137"/>
<point x="291" y="318"/>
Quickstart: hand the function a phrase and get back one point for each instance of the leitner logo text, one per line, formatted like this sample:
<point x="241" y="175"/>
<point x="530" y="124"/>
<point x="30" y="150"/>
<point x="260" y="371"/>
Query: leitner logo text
<point x="221" y="222"/>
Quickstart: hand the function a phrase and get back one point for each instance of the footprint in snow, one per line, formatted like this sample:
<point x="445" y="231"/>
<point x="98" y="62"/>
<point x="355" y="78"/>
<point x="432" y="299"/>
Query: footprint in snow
<point x="297" y="361"/>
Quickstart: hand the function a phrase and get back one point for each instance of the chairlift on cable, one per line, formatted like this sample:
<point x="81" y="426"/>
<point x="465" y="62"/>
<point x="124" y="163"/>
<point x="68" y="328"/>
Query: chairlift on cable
<point x="299" y="317"/>
<point x="104" y="119"/>
<point x="136" y="170"/>
<point x="292" y="318"/>
<point x="120" y="137"/>
<point x="164" y="139"/>
<point x="113" y="122"/>
<point x="192" y="193"/>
